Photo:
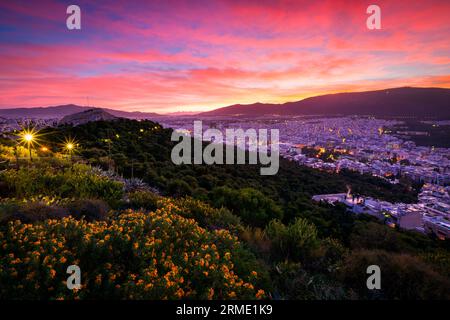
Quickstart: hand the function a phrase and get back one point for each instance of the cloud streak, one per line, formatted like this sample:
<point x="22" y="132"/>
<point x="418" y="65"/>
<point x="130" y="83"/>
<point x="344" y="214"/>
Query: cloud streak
<point x="168" y="56"/>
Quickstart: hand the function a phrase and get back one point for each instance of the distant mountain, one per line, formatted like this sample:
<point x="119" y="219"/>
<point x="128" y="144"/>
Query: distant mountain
<point x="65" y="110"/>
<point x="181" y="113"/>
<point x="87" y="116"/>
<point x="397" y="102"/>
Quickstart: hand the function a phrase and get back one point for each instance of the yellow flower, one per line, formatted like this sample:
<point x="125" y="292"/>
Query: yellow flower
<point x="260" y="294"/>
<point x="63" y="260"/>
<point x="148" y="286"/>
<point x="211" y="293"/>
<point x="180" y="293"/>
<point x="52" y="273"/>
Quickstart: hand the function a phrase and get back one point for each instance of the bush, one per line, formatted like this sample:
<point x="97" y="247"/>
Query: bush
<point x="143" y="200"/>
<point x="207" y="216"/>
<point x="252" y="206"/>
<point x="7" y="209"/>
<point x="65" y="182"/>
<point x="32" y="211"/>
<point x="157" y="255"/>
<point x="179" y="188"/>
<point x="89" y="209"/>
<point x="402" y="276"/>
<point x="292" y="282"/>
<point x="296" y="241"/>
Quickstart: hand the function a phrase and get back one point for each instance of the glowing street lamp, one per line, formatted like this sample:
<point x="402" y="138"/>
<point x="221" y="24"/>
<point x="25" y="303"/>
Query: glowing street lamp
<point x="28" y="137"/>
<point x="69" y="146"/>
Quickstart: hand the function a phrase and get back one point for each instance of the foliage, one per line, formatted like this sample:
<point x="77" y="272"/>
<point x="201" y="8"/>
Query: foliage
<point x="143" y="200"/>
<point x="295" y="283"/>
<point x="293" y="248"/>
<point x="402" y="276"/>
<point x="159" y="255"/>
<point x="206" y="215"/>
<point x="296" y="241"/>
<point x="30" y="212"/>
<point x="252" y="206"/>
<point x="63" y="182"/>
<point x="89" y="209"/>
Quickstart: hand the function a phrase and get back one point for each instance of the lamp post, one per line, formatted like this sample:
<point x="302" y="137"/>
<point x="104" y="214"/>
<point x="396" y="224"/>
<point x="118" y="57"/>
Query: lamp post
<point x="69" y="147"/>
<point x="28" y="137"/>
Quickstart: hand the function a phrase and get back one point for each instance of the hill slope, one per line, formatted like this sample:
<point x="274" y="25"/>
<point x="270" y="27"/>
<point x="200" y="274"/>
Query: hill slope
<point x="68" y="109"/>
<point x="399" y="102"/>
<point x="87" y="116"/>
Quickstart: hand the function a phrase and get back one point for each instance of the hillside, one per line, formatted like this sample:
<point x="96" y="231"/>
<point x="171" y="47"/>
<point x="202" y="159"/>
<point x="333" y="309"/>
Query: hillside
<point x="216" y="232"/>
<point x="87" y="116"/>
<point x="65" y="110"/>
<point x="397" y="102"/>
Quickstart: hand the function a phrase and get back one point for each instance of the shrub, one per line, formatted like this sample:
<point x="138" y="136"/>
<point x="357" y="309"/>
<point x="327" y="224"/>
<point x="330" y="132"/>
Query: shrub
<point x="257" y="240"/>
<point x="7" y="209"/>
<point x="143" y="200"/>
<point x="252" y="206"/>
<point x="65" y="182"/>
<point x="89" y="209"/>
<point x="179" y="188"/>
<point x="34" y="211"/>
<point x="292" y="282"/>
<point x="402" y="276"/>
<point x="296" y="241"/>
<point x="157" y="255"/>
<point x="207" y="216"/>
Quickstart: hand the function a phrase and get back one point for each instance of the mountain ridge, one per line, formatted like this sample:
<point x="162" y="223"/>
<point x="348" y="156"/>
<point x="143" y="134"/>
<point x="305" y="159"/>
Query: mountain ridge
<point x="403" y="101"/>
<point x="61" y="111"/>
<point x="94" y="114"/>
<point x="430" y="102"/>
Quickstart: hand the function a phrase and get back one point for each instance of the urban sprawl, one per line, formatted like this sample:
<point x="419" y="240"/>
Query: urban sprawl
<point x="368" y="146"/>
<point x="362" y="144"/>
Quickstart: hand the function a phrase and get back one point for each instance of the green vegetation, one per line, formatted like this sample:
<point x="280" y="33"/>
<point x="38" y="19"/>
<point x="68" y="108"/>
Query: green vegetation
<point x="264" y="235"/>
<point x="431" y="135"/>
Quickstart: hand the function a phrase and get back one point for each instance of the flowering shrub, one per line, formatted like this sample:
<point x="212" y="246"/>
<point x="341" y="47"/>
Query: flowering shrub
<point x="204" y="214"/>
<point x="133" y="255"/>
<point x="78" y="181"/>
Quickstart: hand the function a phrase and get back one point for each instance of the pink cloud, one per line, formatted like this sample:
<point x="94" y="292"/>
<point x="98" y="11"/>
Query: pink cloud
<point x="165" y="56"/>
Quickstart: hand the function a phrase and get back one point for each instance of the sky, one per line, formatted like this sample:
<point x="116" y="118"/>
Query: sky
<point x="172" y="56"/>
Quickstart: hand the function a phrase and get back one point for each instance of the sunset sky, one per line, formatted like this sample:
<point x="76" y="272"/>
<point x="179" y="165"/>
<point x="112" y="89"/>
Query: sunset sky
<point x="166" y="56"/>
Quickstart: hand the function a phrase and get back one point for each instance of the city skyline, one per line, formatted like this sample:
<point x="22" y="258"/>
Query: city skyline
<point x="184" y="56"/>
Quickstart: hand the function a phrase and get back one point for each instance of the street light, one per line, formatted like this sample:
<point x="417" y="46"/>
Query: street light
<point x="69" y="146"/>
<point x="28" y="137"/>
